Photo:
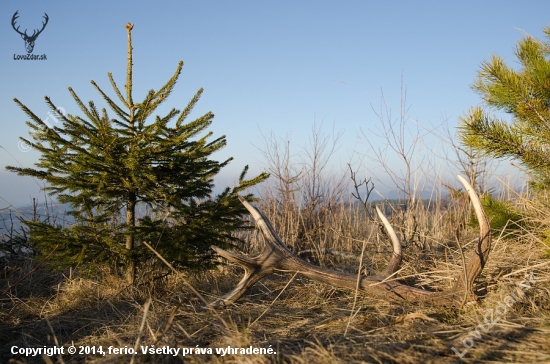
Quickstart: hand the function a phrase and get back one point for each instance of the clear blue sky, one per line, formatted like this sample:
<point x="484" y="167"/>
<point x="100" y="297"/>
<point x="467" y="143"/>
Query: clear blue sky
<point x="265" y="65"/>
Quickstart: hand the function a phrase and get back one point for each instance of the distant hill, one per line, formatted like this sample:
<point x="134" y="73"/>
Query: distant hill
<point x="393" y="195"/>
<point x="10" y="217"/>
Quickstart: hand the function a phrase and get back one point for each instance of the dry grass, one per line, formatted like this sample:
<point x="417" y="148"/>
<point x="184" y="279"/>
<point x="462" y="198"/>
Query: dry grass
<point x="303" y="321"/>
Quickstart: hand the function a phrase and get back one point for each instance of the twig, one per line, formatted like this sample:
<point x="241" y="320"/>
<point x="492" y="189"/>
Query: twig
<point x="272" y="302"/>
<point x="351" y="315"/>
<point x="214" y="313"/>
<point x="143" y="319"/>
<point x="368" y="190"/>
<point x="169" y="322"/>
<point x="54" y="339"/>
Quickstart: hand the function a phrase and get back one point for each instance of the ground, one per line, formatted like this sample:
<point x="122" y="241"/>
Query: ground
<point x="299" y="319"/>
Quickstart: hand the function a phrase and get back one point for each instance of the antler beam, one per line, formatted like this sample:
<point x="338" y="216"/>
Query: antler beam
<point x="276" y="257"/>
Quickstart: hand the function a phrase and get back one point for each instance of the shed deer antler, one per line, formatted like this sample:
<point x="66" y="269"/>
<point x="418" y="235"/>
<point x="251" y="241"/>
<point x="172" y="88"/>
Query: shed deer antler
<point x="276" y="257"/>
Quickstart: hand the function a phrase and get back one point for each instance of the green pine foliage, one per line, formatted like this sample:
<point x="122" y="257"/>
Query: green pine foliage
<point x="524" y="93"/>
<point x="506" y="220"/>
<point x="106" y="165"/>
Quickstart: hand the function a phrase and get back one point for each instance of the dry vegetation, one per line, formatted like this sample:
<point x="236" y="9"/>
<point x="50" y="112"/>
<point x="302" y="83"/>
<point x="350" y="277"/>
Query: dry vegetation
<point x="301" y="320"/>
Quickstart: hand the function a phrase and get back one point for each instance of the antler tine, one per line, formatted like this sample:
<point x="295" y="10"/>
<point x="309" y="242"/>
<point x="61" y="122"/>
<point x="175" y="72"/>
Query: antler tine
<point x="253" y="272"/>
<point x="270" y="259"/>
<point x="265" y="225"/>
<point x="483" y="247"/>
<point x="480" y="213"/>
<point x="393" y="236"/>
<point x="235" y="258"/>
<point x="395" y="261"/>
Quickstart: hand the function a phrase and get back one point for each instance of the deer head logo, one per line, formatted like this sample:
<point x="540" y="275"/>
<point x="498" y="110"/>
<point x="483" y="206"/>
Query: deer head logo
<point x="29" y="39"/>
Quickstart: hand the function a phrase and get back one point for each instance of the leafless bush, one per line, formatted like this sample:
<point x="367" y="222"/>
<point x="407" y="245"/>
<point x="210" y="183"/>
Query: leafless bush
<point x="306" y="198"/>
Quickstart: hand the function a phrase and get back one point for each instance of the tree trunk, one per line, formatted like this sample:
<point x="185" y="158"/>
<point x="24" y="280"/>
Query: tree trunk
<point x="131" y="223"/>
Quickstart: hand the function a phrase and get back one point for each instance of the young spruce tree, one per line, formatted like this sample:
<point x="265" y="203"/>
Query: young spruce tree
<point x="524" y="93"/>
<point x="105" y="168"/>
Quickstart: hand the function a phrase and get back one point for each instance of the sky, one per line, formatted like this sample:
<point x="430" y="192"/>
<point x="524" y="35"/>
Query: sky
<point x="266" y="68"/>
